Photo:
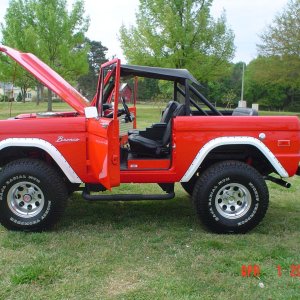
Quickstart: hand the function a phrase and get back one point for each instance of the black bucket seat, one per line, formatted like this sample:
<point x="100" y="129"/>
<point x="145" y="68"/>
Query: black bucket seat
<point x="143" y="146"/>
<point x="165" y="118"/>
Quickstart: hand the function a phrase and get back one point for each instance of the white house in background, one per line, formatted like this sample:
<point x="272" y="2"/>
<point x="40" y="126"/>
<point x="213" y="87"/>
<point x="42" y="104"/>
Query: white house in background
<point x="11" y="91"/>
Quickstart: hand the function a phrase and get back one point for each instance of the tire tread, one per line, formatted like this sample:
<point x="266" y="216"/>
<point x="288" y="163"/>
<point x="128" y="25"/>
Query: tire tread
<point x="200" y="202"/>
<point x="37" y="168"/>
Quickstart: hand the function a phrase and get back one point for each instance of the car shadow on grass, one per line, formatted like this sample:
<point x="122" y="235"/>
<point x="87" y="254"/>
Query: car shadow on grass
<point x="122" y="214"/>
<point x="175" y="213"/>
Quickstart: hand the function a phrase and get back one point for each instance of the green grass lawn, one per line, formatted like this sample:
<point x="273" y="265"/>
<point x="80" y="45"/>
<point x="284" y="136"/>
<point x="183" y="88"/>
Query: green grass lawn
<point x="11" y="109"/>
<point x="151" y="249"/>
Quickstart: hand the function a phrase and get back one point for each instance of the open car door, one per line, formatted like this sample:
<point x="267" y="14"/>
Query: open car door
<point x="103" y="132"/>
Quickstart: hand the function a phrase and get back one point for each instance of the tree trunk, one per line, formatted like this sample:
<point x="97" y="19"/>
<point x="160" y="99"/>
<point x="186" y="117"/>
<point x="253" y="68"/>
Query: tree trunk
<point x="49" y="100"/>
<point x="42" y="93"/>
<point x="23" y="92"/>
<point x="38" y="94"/>
<point x="4" y="91"/>
<point x="292" y="97"/>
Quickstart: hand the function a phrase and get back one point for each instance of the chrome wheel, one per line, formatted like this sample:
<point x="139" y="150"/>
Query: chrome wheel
<point x="233" y="201"/>
<point x="25" y="199"/>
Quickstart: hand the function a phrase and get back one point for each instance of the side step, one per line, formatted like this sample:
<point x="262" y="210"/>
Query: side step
<point x="127" y="197"/>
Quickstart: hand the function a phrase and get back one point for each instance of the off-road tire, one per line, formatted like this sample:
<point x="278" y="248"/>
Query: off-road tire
<point x="231" y="197"/>
<point x="32" y="195"/>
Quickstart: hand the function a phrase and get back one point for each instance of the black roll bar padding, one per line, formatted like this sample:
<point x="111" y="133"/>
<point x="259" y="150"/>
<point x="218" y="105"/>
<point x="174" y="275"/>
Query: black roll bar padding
<point x="193" y="102"/>
<point x="202" y="98"/>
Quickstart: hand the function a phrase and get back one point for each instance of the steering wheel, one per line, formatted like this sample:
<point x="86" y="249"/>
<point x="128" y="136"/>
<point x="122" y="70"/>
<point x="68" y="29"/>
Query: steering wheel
<point x="126" y="110"/>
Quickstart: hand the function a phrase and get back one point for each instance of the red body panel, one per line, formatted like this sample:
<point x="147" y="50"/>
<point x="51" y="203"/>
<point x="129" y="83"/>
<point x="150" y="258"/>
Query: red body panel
<point x="190" y="134"/>
<point x="83" y="143"/>
<point x="97" y="146"/>
<point x="103" y="152"/>
<point x="152" y="164"/>
<point x="57" y="131"/>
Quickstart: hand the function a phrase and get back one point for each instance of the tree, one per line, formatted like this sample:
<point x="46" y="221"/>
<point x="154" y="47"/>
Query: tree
<point x="279" y="60"/>
<point x="148" y="89"/>
<point x="19" y="97"/>
<point x="16" y="34"/>
<point x="11" y="72"/>
<point x="227" y="90"/>
<point x="96" y="56"/>
<point x="282" y="38"/>
<point x="180" y="34"/>
<point x="267" y="85"/>
<point x="47" y="29"/>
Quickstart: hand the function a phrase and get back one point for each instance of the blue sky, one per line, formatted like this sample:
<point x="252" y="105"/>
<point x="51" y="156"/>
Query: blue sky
<point x="246" y="18"/>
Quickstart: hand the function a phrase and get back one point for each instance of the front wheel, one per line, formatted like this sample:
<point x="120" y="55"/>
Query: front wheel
<point x="32" y="195"/>
<point x="231" y="197"/>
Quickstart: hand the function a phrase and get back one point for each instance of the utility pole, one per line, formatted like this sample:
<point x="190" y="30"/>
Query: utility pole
<point x="243" y="75"/>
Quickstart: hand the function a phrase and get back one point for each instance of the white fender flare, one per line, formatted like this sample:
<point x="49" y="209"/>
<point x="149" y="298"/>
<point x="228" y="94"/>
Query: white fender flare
<point x="234" y="140"/>
<point x="49" y="148"/>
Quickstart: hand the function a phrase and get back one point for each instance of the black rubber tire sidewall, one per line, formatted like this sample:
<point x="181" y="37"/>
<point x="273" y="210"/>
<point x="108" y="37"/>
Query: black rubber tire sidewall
<point x="216" y="177"/>
<point x="43" y="176"/>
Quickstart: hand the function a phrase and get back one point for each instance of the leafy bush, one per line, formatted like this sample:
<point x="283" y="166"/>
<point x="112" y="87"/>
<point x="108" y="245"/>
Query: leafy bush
<point x="19" y="97"/>
<point x="3" y="98"/>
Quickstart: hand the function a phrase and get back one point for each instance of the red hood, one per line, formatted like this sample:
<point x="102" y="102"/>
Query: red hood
<point x="49" y="78"/>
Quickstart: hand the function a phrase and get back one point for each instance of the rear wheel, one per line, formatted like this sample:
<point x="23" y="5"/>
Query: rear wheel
<point x="32" y="195"/>
<point x="231" y="197"/>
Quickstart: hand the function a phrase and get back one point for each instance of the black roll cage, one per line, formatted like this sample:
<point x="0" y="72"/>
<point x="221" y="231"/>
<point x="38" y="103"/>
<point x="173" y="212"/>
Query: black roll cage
<point x="178" y="76"/>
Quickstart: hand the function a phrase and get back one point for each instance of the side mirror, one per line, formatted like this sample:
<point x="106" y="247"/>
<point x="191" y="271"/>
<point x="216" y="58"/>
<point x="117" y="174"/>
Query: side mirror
<point x="91" y="112"/>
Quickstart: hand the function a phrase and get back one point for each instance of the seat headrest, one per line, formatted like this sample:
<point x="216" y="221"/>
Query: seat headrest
<point x="244" y="111"/>
<point x="179" y="111"/>
<point x="168" y="112"/>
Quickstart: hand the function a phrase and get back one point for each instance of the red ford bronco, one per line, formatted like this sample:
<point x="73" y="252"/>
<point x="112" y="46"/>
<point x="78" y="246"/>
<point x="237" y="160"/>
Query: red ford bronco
<point x="221" y="159"/>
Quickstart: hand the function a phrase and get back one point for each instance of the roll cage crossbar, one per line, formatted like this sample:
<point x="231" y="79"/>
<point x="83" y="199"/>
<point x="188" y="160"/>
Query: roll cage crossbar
<point x="201" y="97"/>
